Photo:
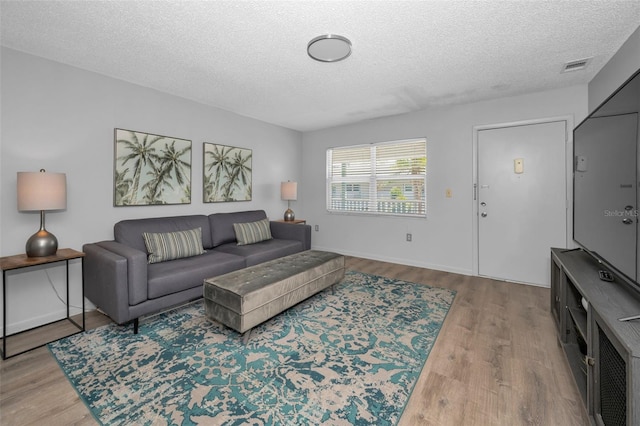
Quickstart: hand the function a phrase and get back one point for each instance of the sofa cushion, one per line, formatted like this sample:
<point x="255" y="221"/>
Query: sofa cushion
<point x="252" y="232"/>
<point x="262" y="251"/>
<point x="221" y="224"/>
<point x="129" y="232"/>
<point x="173" y="245"/>
<point x="181" y="274"/>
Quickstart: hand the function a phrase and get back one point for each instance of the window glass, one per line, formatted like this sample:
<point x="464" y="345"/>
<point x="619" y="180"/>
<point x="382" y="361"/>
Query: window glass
<point x="386" y="178"/>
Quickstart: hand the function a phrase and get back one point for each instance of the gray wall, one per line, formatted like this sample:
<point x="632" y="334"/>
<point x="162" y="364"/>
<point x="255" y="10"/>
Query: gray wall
<point x="624" y="63"/>
<point x="62" y="118"/>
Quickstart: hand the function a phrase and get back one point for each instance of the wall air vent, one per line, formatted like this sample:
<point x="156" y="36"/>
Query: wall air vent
<point x="578" y="65"/>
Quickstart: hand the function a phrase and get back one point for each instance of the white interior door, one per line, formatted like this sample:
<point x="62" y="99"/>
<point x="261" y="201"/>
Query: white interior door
<point x="522" y="200"/>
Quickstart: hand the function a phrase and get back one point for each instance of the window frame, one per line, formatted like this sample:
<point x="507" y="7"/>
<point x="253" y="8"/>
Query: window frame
<point x="372" y="180"/>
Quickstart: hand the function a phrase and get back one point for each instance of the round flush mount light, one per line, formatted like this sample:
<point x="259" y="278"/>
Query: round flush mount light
<point x="329" y="48"/>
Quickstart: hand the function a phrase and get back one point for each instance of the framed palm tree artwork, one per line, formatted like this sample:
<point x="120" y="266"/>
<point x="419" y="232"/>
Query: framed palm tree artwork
<point x="151" y="169"/>
<point x="227" y="173"/>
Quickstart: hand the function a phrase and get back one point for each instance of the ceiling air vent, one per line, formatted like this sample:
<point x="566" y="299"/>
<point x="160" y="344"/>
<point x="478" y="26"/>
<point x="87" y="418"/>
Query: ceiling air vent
<point x="580" y="64"/>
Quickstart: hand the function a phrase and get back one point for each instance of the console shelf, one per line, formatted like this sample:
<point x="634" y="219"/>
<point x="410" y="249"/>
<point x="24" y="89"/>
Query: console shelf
<point x="579" y="318"/>
<point x="603" y="353"/>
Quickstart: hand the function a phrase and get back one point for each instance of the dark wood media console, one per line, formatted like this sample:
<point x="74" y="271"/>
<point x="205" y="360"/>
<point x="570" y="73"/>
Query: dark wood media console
<point x="602" y="351"/>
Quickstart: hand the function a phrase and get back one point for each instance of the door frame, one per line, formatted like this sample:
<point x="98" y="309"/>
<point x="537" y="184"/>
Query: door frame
<point x="569" y="125"/>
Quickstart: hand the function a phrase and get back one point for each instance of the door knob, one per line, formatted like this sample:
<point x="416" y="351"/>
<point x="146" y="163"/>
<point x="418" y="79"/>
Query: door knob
<point x="483" y="214"/>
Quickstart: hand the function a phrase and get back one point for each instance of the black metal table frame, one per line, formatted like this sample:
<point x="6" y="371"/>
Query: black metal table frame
<point x="81" y="328"/>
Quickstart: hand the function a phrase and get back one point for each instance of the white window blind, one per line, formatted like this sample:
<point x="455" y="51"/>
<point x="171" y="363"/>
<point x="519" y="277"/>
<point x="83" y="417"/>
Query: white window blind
<point x="385" y="178"/>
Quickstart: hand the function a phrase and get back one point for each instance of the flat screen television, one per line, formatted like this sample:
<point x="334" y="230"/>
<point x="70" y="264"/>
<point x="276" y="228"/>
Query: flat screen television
<point x="605" y="182"/>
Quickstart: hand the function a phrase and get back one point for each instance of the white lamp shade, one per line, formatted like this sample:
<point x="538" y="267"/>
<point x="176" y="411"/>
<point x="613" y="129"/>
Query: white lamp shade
<point x="289" y="191"/>
<point x="42" y="191"/>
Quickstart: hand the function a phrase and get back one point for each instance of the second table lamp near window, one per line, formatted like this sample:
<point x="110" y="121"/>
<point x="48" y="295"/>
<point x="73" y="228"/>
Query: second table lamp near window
<point x="289" y="192"/>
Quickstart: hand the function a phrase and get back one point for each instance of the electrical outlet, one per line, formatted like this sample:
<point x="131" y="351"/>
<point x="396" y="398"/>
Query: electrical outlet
<point x="408" y="237"/>
<point x="317" y="228"/>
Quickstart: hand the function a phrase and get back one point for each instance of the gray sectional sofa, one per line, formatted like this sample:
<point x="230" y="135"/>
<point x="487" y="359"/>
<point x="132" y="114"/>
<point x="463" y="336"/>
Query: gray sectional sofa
<point x="121" y="282"/>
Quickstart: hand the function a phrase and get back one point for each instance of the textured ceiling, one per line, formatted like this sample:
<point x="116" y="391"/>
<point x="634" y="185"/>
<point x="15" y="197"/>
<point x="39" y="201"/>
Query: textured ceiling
<point x="250" y="57"/>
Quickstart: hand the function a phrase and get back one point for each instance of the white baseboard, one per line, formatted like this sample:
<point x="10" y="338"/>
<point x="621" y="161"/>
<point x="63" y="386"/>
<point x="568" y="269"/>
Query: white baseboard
<point x="399" y="261"/>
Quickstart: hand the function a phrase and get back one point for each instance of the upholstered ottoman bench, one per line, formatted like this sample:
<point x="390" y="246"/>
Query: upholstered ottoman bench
<point x="245" y="298"/>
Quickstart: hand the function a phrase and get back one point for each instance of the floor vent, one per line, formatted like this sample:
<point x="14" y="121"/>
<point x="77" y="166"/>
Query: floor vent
<point x="580" y="64"/>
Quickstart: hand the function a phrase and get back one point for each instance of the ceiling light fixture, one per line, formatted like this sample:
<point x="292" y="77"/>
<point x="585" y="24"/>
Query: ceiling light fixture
<point x="329" y="48"/>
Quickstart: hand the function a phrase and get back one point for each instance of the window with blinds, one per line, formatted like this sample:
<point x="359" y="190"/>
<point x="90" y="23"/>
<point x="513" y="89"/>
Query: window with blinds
<point x="386" y="178"/>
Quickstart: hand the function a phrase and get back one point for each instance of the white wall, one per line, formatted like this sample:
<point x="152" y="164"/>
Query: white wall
<point x="62" y="118"/>
<point x="444" y="239"/>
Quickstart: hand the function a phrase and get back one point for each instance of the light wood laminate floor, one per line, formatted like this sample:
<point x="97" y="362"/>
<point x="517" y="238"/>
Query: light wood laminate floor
<point x="495" y="362"/>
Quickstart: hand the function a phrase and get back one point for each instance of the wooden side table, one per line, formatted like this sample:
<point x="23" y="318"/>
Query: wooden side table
<point x="10" y="263"/>
<point x="293" y="222"/>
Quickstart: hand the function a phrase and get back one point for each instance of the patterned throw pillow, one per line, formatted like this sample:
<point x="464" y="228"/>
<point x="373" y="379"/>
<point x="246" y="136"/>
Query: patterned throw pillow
<point x="173" y="245"/>
<point x="252" y="232"/>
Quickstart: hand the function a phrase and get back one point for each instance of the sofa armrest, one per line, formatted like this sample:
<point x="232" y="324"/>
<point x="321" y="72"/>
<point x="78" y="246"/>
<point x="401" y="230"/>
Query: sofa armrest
<point x="288" y="231"/>
<point x="115" y="277"/>
<point x="136" y="269"/>
<point x="105" y="281"/>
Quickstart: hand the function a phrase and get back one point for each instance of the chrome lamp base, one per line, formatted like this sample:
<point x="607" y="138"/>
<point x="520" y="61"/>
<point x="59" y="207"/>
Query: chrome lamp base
<point x="289" y="215"/>
<point x="43" y="243"/>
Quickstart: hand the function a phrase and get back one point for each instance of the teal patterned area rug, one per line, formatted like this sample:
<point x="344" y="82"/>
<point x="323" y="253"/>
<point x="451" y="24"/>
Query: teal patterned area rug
<point x="351" y="355"/>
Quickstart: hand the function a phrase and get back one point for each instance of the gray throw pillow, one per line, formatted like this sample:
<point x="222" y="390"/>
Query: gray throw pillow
<point x="252" y="232"/>
<point x="173" y="245"/>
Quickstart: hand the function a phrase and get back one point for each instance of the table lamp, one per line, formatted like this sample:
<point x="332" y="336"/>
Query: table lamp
<point x="288" y="192"/>
<point x="42" y="191"/>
